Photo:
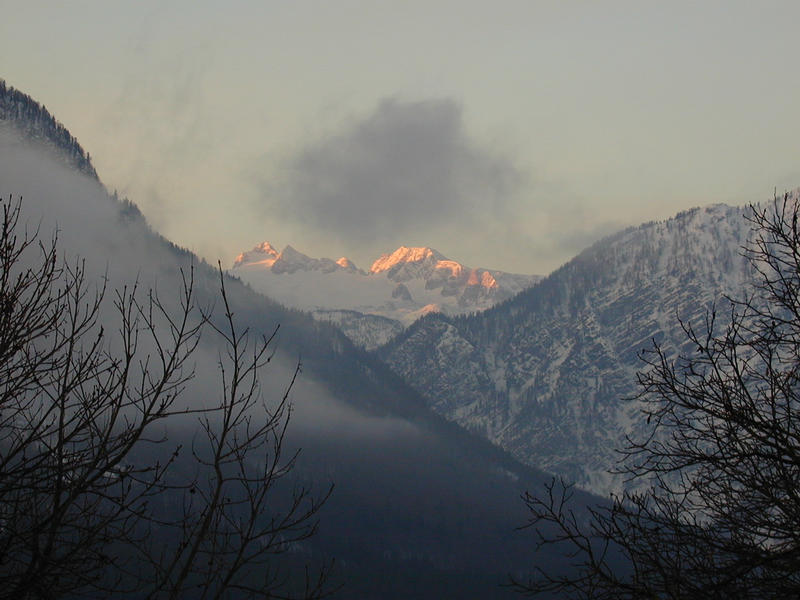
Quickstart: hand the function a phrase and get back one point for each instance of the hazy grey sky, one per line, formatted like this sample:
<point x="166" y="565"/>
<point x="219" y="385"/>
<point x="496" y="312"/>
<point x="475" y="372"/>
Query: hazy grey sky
<point x="505" y="134"/>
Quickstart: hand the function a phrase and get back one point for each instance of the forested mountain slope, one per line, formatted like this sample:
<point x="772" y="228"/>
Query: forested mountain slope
<point x="30" y="117"/>
<point x="420" y="508"/>
<point x="543" y="374"/>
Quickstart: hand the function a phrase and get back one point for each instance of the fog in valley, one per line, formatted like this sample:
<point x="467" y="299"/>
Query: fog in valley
<point x="416" y="504"/>
<point x="420" y="300"/>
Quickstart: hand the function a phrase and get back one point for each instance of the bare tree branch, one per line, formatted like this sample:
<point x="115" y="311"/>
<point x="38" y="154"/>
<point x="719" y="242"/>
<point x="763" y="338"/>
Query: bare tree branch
<point x="84" y="508"/>
<point x="721" y="518"/>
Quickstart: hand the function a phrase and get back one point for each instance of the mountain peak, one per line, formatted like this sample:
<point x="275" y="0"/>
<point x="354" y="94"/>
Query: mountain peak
<point x="289" y="260"/>
<point x="400" y="287"/>
<point x="346" y="263"/>
<point x="267" y="248"/>
<point x="405" y="255"/>
<point x="289" y="253"/>
<point x="262" y="254"/>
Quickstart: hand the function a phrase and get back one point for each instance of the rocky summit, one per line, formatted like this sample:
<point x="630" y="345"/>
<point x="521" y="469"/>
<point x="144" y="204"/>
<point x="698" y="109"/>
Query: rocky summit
<point x="372" y="306"/>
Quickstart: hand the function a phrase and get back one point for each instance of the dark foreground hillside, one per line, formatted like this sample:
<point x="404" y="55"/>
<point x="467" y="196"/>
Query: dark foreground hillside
<point x="420" y="508"/>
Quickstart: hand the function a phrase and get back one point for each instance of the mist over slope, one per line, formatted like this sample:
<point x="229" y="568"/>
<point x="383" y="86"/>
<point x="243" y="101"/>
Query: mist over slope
<point x="32" y="119"/>
<point x="544" y="374"/>
<point x="421" y="508"/>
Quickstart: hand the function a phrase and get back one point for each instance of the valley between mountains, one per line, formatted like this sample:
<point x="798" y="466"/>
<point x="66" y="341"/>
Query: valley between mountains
<point x="432" y="394"/>
<point x="420" y="507"/>
<point x="539" y="366"/>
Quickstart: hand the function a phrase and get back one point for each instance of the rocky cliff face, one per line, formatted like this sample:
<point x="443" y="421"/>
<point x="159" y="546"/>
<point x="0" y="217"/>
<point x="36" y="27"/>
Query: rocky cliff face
<point x="543" y="374"/>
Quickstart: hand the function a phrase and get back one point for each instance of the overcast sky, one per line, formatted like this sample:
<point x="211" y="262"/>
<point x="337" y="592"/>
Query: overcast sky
<point x="505" y="134"/>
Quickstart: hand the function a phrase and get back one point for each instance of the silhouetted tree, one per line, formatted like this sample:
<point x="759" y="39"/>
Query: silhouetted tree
<point x="719" y="516"/>
<point x="85" y="508"/>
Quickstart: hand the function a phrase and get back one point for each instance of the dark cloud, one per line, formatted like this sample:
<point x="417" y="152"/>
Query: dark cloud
<point x="57" y="198"/>
<point x="406" y="167"/>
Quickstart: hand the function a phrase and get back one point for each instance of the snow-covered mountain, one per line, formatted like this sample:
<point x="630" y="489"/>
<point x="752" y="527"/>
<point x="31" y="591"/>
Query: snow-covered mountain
<point x="399" y="287"/>
<point x="543" y="374"/>
<point x="289" y="261"/>
<point x="421" y="508"/>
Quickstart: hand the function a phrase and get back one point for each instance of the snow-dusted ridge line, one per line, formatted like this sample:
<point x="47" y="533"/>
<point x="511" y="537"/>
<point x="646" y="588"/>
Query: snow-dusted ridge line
<point x="405" y="254"/>
<point x="401" y="286"/>
<point x="543" y="373"/>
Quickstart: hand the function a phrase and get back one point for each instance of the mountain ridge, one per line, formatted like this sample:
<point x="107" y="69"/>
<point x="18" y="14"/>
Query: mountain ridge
<point x="542" y="373"/>
<point x="419" y="502"/>
<point x="401" y="286"/>
<point x="33" y="119"/>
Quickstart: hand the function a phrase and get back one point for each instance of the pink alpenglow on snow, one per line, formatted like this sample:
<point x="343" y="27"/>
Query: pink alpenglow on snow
<point x="401" y="285"/>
